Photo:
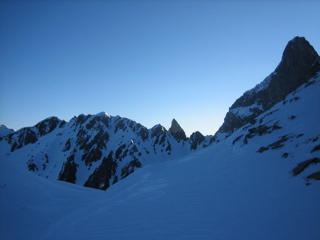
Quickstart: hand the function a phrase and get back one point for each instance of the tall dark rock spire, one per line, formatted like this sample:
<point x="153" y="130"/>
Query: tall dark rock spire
<point x="176" y="131"/>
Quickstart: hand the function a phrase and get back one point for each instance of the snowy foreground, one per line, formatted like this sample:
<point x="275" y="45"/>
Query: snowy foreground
<point x="226" y="191"/>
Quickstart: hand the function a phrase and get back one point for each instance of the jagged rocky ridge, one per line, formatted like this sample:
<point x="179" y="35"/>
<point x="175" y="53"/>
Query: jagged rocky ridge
<point x="99" y="150"/>
<point x="299" y="63"/>
<point x="96" y="150"/>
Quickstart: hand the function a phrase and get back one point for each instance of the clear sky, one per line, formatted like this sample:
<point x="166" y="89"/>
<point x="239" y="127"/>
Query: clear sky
<point x="150" y="61"/>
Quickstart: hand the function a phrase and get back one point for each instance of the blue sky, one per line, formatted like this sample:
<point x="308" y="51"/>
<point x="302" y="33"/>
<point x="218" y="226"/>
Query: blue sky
<point x="150" y="61"/>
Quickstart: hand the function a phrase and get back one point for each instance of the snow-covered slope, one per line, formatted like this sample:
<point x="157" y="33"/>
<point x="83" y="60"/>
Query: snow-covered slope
<point x="247" y="186"/>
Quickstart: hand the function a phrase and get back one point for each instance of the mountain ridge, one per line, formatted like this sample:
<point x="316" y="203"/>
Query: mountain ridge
<point x="99" y="150"/>
<point x="95" y="150"/>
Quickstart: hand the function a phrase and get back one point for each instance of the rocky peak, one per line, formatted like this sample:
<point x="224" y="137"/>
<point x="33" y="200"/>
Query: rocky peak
<point x="48" y="125"/>
<point x="196" y="138"/>
<point x="158" y="130"/>
<point x="299" y="63"/>
<point x="176" y="131"/>
<point x="298" y="55"/>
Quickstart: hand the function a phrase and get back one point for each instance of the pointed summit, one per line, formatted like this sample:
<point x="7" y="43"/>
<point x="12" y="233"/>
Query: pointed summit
<point x="299" y="62"/>
<point x="176" y="131"/>
<point x="298" y="55"/>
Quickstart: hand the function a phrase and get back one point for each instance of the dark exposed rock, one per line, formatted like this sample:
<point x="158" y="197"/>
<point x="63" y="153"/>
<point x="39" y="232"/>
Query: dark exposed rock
<point x="299" y="63"/>
<point x="62" y="123"/>
<point x="316" y="148"/>
<point x="160" y="134"/>
<point x="29" y="137"/>
<point x="129" y="168"/>
<point x="48" y="125"/>
<point x="276" y="144"/>
<point x="176" y="131"/>
<point x="262" y="149"/>
<point x="69" y="170"/>
<point x="121" y="124"/>
<point x="66" y="146"/>
<point x="14" y="146"/>
<point x="237" y="139"/>
<point x="196" y="139"/>
<point x="32" y="166"/>
<point x="157" y="130"/>
<point x="119" y="151"/>
<point x="93" y="155"/>
<point x="92" y="149"/>
<point x="25" y="136"/>
<point x="169" y="148"/>
<point x="303" y="165"/>
<point x="268" y="114"/>
<point x="315" y="176"/>
<point x="143" y="133"/>
<point x="100" y="178"/>
<point x="260" y="130"/>
<point x="82" y="119"/>
<point x="99" y="120"/>
<point x="300" y="135"/>
<point x="124" y="124"/>
<point x="279" y="143"/>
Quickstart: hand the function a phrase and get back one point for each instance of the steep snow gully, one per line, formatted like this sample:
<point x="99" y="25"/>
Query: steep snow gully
<point x="258" y="182"/>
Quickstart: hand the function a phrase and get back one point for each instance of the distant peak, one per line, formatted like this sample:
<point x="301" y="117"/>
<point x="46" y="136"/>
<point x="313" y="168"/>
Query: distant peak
<point x="103" y="114"/>
<point x="3" y="126"/>
<point x="159" y="127"/>
<point x="4" y="130"/>
<point x="175" y="127"/>
<point x="177" y="131"/>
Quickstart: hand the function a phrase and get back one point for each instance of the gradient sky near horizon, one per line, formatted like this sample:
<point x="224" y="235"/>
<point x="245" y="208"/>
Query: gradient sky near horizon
<point x="150" y="61"/>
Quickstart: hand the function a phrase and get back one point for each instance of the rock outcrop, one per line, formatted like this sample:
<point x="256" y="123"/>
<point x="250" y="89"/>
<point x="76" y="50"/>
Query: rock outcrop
<point x="196" y="139"/>
<point x="176" y="131"/>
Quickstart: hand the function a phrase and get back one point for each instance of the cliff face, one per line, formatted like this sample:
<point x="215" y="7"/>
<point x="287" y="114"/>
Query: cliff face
<point x="299" y="63"/>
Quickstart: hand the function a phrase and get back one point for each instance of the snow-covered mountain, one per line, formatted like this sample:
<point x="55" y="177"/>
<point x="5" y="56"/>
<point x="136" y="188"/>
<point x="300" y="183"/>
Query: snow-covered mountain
<point x="257" y="178"/>
<point x="95" y="150"/>
<point x="299" y="63"/>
